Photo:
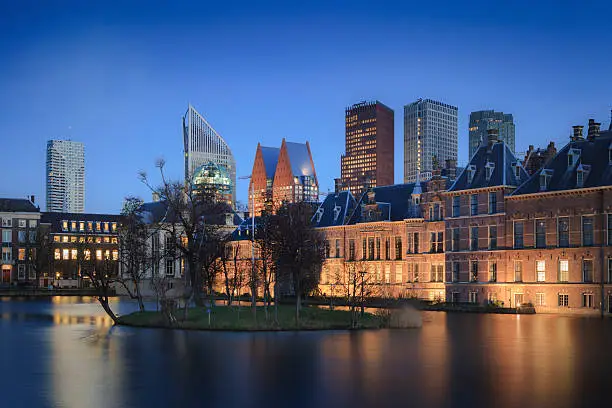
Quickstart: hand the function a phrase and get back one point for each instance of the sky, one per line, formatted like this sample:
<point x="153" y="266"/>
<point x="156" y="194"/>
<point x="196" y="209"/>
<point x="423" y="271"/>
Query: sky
<point x="118" y="76"/>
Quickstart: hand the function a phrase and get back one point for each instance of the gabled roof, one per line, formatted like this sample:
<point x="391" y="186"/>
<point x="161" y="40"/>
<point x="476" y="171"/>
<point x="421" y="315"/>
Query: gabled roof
<point x="299" y="157"/>
<point x="503" y="163"/>
<point x="593" y="153"/>
<point x="17" y="205"/>
<point x="391" y="203"/>
<point x="334" y="210"/>
<point x="270" y="159"/>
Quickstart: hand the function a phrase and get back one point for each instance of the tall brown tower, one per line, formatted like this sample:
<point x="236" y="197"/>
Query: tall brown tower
<point x="368" y="158"/>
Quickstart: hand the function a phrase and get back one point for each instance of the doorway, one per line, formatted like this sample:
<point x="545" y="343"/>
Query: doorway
<point x="518" y="299"/>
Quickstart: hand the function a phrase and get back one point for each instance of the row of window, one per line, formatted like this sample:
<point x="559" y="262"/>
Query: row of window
<point x="98" y="226"/>
<point x="563" y="232"/>
<point x="7" y="236"/>
<point x="73" y="254"/>
<point x="371" y="247"/>
<point x="21" y="223"/>
<point x="492" y="204"/>
<point x="540" y="299"/>
<point x="74" y="238"/>
<point x="540" y="271"/>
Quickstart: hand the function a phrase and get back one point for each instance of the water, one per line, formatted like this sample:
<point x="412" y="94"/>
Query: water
<point x="63" y="352"/>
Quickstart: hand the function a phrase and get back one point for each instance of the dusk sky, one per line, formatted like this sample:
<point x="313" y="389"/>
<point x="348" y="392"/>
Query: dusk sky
<point x="119" y="78"/>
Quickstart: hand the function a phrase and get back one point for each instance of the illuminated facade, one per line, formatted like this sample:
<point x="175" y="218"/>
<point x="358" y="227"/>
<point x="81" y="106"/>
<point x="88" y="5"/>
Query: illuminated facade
<point x="481" y="121"/>
<point x="78" y="237"/>
<point x="215" y="179"/>
<point x="65" y="176"/>
<point x="262" y="178"/>
<point x="430" y="130"/>
<point x="202" y="144"/>
<point x="368" y="160"/>
<point x="292" y="178"/>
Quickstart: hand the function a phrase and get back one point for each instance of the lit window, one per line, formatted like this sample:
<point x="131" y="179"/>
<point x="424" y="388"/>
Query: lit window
<point x="65" y="254"/>
<point x="57" y="254"/>
<point x="541" y="271"/>
<point x="99" y="254"/>
<point x="21" y="255"/>
<point x="73" y="253"/>
<point x="115" y="255"/>
<point x="563" y="270"/>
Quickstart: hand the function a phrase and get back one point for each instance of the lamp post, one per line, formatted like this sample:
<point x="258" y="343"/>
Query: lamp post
<point x="253" y="286"/>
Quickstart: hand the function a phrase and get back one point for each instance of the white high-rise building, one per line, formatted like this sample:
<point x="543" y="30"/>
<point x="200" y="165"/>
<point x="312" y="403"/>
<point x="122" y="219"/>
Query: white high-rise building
<point x="202" y="145"/>
<point x="65" y="176"/>
<point x="430" y="129"/>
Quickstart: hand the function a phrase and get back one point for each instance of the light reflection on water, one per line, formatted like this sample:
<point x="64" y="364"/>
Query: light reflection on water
<point x="63" y="352"/>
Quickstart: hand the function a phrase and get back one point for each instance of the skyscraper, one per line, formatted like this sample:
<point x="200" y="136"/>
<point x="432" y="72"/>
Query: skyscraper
<point x="481" y="121"/>
<point x="202" y="144"/>
<point x="368" y="158"/>
<point x="65" y="176"/>
<point x="430" y="130"/>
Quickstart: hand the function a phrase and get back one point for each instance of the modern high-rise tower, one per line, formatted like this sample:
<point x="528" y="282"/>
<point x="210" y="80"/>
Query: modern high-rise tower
<point x="202" y="145"/>
<point x="481" y="121"/>
<point x="430" y="130"/>
<point x="368" y="158"/>
<point x="65" y="176"/>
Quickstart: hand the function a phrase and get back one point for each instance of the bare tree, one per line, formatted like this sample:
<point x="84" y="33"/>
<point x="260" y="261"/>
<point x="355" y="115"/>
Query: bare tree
<point x="192" y="221"/>
<point x="300" y="251"/>
<point x="101" y="269"/>
<point x="355" y="285"/>
<point x="135" y="257"/>
<point x="41" y="251"/>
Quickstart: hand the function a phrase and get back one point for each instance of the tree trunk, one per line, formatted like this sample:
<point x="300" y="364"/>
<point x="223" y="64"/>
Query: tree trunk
<point x="141" y="305"/>
<point x="104" y="303"/>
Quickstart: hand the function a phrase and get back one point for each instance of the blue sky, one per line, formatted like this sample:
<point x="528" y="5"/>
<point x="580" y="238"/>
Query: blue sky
<point x="119" y="77"/>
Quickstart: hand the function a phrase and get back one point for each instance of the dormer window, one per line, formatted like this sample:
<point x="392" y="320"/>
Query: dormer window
<point x="489" y="170"/>
<point x="337" y="210"/>
<point x="516" y="166"/>
<point x="545" y="177"/>
<point x="581" y="175"/>
<point x="319" y="215"/>
<point x="572" y="157"/>
<point x="471" y="171"/>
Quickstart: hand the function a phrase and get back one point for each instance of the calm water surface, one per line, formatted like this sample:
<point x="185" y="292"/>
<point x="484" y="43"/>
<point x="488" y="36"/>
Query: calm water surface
<point x="63" y="352"/>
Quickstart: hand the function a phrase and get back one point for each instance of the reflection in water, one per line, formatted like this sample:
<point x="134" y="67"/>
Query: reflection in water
<point x="73" y="358"/>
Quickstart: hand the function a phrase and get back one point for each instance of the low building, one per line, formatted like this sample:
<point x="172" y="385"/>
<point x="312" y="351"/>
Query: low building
<point x="74" y="237"/>
<point x="20" y="223"/>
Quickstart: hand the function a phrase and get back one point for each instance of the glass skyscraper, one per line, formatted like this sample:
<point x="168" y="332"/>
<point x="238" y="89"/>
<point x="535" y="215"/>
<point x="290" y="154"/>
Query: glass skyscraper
<point x="481" y="121"/>
<point x="430" y="130"/>
<point x="65" y="176"/>
<point x="202" y="145"/>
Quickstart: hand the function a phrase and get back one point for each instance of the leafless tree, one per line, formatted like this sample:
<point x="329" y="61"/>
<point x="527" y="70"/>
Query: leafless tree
<point x="300" y="251"/>
<point x="40" y="251"/>
<point x="192" y="222"/>
<point x="135" y="256"/>
<point x="355" y="284"/>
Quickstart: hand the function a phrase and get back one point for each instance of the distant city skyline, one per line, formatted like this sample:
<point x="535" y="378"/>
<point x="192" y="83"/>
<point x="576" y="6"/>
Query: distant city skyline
<point x="118" y="78"/>
<point x="65" y="191"/>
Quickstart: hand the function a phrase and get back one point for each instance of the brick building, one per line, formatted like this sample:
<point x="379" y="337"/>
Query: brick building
<point x="285" y="174"/>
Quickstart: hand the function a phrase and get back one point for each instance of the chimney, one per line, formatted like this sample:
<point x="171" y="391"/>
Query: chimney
<point x="593" y="131"/>
<point x="577" y="133"/>
<point x="492" y="137"/>
<point x="155" y="196"/>
<point x="451" y="168"/>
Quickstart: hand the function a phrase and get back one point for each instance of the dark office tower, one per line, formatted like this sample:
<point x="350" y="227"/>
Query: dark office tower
<point x="368" y="158"/>
<point x="481" y="121"/>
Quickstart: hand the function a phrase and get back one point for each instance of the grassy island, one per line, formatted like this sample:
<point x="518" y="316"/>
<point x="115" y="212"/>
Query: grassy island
<point x="231" y="318"/>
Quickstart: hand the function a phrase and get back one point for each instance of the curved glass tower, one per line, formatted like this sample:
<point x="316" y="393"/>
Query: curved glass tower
<point x="214" y="177"/>
<point x="202" y="145"/>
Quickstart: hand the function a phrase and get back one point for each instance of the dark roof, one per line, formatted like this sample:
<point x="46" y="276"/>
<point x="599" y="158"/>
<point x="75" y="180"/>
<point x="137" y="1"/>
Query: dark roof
<point x="158" y="211"/>
<point x="593" y="153"/>
<point x="55" y="218"/>
<point x="504" y="173"/>
<point x="389" y="203"/>
<point x="299" y="157"/>
<point x="270" y="159"/>
<point x="17" y="205"/>
<point x="334" y="210"/>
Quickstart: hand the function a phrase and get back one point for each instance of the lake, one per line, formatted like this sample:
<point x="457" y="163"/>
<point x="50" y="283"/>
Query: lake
<point x="64" y="352"/>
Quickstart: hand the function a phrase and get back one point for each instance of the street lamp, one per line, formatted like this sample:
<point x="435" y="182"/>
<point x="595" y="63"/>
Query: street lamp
<point x="252" y="237"/>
